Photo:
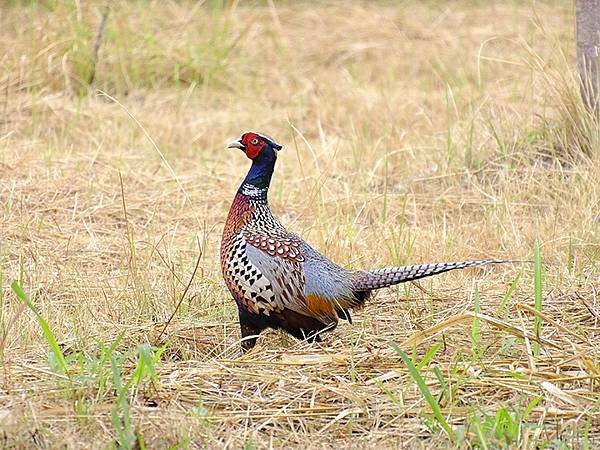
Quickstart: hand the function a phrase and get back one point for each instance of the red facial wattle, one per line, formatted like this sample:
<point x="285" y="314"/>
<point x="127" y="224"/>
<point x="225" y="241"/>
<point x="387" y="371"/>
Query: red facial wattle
<point x="252" y="151"/>
<point x="253" y="145"/>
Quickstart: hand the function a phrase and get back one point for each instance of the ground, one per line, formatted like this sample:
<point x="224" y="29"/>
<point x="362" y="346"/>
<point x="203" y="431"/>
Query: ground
<point x="412" y="131"/>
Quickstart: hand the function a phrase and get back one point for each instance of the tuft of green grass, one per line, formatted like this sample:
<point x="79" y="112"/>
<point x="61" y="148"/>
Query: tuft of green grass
<point x="145" y="369"/>
<point x="503" y="429"/>
<point x="144" y="372"/>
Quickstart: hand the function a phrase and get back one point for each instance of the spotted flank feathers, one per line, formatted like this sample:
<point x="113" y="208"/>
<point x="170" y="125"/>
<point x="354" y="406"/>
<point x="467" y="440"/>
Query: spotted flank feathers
<point x="278" y="280"/>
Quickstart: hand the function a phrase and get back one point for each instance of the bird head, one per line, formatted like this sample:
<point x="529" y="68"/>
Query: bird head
<point x="255" y="144"/>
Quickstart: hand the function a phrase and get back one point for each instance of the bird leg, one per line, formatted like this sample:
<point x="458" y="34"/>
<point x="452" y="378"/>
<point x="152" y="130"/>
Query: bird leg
<point x="250" y="330"/>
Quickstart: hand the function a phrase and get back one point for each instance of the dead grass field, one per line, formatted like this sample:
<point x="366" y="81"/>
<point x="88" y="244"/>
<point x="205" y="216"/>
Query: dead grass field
<point x="412" y="131"/>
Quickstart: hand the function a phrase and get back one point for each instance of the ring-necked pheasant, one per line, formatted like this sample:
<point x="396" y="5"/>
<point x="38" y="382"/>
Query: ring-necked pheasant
<point x="280" y="281"/>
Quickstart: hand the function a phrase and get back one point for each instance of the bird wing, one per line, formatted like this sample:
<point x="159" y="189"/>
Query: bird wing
<point x="279" y="282"/>
<point x="281" y="262"/>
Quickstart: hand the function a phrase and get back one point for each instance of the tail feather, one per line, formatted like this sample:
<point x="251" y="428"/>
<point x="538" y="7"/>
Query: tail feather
<point x="381" y="278"/>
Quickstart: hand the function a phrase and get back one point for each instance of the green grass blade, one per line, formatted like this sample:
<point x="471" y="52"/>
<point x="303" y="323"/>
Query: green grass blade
<point x="429" y="355"/>
<point x="58" y="354"/>
<point x="502" y="310"/>
<point x="440" y="376"/>
<point x="434" y="405"/>
<point x="586" y="434"/>
<point x="481" y="434"/>
<point x="537" y="281"/>
<point x="121" y="424"/>
<point x="570" y="257"/>
<point x="442" y="380"/>
<point x="532" y="404"/>
<point x="107" y="353"/>
<point x="393" y="397"/>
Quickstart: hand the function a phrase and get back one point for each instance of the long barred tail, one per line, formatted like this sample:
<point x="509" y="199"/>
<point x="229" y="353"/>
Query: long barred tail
<point x="381" y="278"/>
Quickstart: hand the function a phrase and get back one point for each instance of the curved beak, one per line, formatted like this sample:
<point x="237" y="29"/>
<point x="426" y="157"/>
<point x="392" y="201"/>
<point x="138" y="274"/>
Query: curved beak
<point x="236" y="144"/>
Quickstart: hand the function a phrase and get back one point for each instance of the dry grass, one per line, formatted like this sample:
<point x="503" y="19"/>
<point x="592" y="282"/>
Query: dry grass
<point x="413" y="132"/>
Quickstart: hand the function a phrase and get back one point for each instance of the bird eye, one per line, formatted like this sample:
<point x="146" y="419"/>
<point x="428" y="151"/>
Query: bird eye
<point x="254" y="141"/>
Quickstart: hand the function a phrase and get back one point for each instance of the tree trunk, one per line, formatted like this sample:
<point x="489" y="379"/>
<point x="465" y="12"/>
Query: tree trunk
<point x="587" y="15"/>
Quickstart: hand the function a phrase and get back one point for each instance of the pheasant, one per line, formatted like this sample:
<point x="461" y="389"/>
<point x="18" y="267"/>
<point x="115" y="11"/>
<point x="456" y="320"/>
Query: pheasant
<point x="278" y="280"/>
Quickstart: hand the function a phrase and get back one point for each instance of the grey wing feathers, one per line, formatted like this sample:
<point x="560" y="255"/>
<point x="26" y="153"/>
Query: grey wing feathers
<point x="324" y="278"/>
<point x="380" y="278"/>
